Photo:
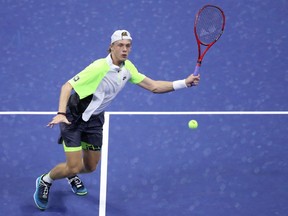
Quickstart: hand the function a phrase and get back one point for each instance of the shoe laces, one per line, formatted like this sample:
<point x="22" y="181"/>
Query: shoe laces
<point x="45" y="189"/>
<point x="76" y="181"/>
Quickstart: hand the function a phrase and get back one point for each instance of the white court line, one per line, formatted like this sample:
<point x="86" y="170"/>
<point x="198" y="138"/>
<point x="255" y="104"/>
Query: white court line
<point x="204" y="113"/>
<point x="27" y="113"/>
<point x="158" y="113"/>
<point x="104" y="167"/>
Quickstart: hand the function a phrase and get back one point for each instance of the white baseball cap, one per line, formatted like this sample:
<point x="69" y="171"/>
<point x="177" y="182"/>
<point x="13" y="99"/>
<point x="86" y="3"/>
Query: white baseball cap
<point x="120" y="35"/>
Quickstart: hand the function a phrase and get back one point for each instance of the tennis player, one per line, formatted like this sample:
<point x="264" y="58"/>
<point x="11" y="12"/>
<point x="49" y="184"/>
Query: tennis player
<point x="83" y="100"/>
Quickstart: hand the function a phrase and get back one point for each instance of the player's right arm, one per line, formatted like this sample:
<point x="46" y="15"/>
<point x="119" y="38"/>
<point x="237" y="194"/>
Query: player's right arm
<point x="159" y="86"/>
<point x="64" y="97"/>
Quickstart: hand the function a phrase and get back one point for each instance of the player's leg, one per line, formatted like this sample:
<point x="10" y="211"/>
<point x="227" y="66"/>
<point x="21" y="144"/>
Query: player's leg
<point x="76" y="162"/>
<point x="72" y="166"/>
<point x="76" y="167"/>
<point x="71" y="139"/>
<point x="91" y="141"/>
<point x="90" y="161"/>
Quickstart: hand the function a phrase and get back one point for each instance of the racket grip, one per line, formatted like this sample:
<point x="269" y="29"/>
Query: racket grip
<point x="197" y="70"/>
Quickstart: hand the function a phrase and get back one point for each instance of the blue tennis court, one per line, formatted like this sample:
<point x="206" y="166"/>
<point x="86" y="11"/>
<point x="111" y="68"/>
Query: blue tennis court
<point x="230" y="165"/>
<point x="234" y="164"/>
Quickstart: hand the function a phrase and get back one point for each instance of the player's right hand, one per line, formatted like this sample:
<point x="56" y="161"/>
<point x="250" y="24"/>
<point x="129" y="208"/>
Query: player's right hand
<point x="192" y="80"/>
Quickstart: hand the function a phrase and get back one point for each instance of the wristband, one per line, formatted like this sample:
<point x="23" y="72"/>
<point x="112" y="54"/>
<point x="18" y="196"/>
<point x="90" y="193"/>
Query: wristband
<point x="179" y="84"/>
<point x="61" y="113"/>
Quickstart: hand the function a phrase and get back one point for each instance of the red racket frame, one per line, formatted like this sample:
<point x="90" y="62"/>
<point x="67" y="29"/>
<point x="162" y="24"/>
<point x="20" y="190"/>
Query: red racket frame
<point x="199" y="43"/>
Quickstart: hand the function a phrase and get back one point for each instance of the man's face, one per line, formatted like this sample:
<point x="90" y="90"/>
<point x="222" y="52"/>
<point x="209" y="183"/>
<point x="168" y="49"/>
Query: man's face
<point x="120" y="51"/>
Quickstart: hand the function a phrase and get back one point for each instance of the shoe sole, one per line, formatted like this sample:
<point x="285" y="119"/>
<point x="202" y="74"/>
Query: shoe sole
<point x="79" y="193"/>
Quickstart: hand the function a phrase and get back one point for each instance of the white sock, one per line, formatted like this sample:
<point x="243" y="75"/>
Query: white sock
<point x="47" y="178"/>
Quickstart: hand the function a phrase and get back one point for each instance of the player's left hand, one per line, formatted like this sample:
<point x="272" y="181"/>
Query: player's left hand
<point x="192" y="80"/>
<point x="58" y="119"/>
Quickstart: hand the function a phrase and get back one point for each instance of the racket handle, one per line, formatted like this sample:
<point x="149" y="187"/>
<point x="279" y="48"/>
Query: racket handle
<point x="197" y="70"/>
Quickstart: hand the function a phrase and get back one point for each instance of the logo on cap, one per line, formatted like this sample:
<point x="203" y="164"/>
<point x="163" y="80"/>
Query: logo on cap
<point x="124" y="34"/>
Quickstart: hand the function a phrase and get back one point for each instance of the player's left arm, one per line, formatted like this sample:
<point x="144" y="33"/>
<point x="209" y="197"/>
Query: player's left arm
<point x="159" y="86"/>
<point x="64" y="97"/>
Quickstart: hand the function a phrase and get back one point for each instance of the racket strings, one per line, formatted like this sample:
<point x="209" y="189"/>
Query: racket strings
<point x="209" y="25"/>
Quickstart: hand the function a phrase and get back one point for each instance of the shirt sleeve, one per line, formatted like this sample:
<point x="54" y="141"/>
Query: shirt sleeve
<point x="136" y="76"/>
<point x="86" y="82"/>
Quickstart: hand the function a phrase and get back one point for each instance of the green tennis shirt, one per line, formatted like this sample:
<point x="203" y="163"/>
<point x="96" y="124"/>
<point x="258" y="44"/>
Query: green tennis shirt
<point x="104" y="81"/>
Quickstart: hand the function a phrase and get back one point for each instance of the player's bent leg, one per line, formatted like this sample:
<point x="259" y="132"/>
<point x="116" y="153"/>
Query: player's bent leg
<point x="90" y="160"/>
<point x="75" y="165"/>
<point x="71" y="167"/>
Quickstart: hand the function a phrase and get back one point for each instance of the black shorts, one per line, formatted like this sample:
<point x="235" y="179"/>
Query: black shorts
<point x="82" y="135"/>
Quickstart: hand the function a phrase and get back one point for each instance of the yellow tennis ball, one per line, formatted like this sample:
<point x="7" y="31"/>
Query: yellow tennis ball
<point x="193" y="124"/>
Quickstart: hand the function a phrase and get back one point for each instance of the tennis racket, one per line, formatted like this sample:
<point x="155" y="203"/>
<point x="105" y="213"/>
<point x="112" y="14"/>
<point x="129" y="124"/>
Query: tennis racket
<point x="208" y="28"/>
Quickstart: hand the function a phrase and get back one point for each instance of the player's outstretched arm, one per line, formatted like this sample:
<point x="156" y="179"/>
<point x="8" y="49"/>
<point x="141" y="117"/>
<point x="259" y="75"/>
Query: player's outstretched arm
<point x="158" y="86"/>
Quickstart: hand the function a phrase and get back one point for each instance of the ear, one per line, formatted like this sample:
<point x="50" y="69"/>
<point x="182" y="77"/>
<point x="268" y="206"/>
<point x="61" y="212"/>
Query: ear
<point x="111" y="46"/>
